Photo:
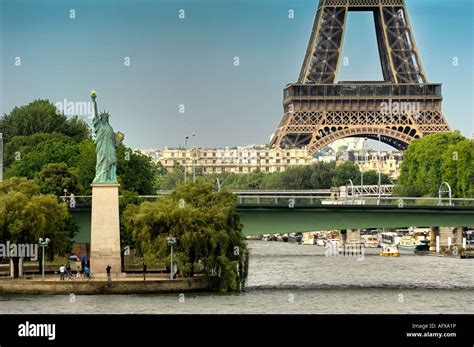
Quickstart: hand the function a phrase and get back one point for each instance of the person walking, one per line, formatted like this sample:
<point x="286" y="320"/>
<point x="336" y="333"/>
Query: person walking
<point x="144" y="271"/>
<point x="68" y="270"/>
<point x="87" y="272"/>
<point x="62" y="270"/>
<point x="108" y="268"/>
<point x="83" y="263"/>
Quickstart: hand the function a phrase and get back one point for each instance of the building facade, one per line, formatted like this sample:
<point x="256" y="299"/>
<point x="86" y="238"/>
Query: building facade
<point x="388" y="163"/>
<point x="243" y="159"/>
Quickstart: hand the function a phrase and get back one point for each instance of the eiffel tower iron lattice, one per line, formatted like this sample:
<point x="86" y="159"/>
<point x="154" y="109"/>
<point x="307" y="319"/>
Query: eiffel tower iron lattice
<point x="318" y="111"/>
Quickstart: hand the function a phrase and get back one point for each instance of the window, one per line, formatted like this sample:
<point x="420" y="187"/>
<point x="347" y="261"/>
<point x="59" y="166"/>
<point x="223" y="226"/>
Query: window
<point x="278" y="161"/>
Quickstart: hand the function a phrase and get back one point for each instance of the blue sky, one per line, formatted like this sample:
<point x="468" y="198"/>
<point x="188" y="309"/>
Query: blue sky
<point x="190" y="61"/>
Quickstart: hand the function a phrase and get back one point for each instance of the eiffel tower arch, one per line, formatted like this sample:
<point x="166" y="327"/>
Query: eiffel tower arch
<point x="402" y="107"/>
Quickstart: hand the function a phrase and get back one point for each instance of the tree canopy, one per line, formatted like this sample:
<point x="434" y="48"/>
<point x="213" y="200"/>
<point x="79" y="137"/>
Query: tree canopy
<point x="26" y="215"/>
<point x="41" y="116"/>
<point x="434" y="159"/>
<point x="207" y="230"/>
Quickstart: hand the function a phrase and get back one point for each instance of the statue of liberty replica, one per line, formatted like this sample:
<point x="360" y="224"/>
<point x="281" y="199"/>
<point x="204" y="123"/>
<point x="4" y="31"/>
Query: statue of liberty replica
<point x="105" y="225"/>
<point x="106" y="146"/>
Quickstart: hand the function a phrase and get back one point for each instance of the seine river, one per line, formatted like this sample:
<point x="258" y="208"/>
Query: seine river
<point x="299" y="279"/>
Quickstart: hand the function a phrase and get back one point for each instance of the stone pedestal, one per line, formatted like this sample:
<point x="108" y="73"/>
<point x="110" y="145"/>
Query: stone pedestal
<point x="105" y="229"/>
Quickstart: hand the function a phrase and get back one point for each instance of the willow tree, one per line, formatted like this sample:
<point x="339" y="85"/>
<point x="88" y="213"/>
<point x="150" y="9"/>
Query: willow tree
<point x="26" y="215"/>
<point x="207" y="229"/>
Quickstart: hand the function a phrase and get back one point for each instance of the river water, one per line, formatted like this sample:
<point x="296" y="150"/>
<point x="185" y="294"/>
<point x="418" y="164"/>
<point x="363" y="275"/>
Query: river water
<point x="298" y="279"/>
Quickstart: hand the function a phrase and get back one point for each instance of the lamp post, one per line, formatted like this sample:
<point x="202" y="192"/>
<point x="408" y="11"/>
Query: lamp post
<point x="194" y="168"/>
<point x="43" y="244"/>
<point x="171" y="242"/>
<point x="362" y="172"/>
<point x="379" y="169"/>
<point x="185" y="157"/>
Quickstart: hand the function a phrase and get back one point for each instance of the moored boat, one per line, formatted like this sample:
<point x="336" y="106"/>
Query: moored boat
<point x="390" y="251"/>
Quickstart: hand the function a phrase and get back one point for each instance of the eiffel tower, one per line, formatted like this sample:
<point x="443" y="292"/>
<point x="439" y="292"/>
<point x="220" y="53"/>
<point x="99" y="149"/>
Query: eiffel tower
<point x="318" y="111"/>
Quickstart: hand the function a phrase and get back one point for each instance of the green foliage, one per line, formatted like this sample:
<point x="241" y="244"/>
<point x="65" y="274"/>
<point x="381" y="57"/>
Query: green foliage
<point x="207" y="229"/>
<point x="135" y="171"/>
<point x="26" y="215"/>
<point x="458" y="168"/>
<point x="42" y="150"/>
<point x="345" y="171"/>
<point x="435" y="158"/>
<point x="85" y="166"/>
<point x="317" y="176"/>
<point x="41" y="116"/>
<point x="54" y="178"/>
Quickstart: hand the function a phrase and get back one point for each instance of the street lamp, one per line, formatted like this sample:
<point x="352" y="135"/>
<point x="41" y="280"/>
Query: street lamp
<point x="43" y="244"/>
<point x="379" y="169"/>
<point x="171" y="242"/>
<point x="194" y="168"/>
<point x="362" y="172"/>
<point x="185" y="158"/>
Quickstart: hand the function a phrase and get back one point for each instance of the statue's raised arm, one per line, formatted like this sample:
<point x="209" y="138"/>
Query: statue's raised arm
<point x="96" y="113"/>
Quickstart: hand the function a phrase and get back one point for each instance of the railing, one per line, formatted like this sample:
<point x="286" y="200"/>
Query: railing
<point x="295" y="200"/>
<point x="361" y="90"/>
<point x="366" y="190"/>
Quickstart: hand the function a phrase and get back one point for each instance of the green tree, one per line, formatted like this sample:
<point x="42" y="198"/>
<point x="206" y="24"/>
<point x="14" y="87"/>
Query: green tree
<point x="53" y="149"/>
<point x="26" y="215"/>
<point x="85" y="166"/>
<point x="131" y="201"/>
<point x="41" y="116"/>
<point x="458" y="168"/>
<point x="372" y="178"/>
<point x="422" y="167"/>
<point x="345" y="171"/>
<point x="206" y="226"/>
<point x="54" y="178"/>
<point x="321" y="178"/>
<point x="135" y="171"/>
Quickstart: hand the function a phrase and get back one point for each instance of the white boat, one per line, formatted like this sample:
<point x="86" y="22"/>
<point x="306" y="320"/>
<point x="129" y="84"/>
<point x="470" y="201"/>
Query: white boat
<point x="407" y="244"/>
<point x="388" y="239"/>
<point x="390" y="251"/>
<point x="370" y="241"/>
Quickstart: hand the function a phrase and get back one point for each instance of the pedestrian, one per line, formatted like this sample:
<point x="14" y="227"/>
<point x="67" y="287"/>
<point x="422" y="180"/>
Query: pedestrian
<point x="87" y="272"/>
<point x="62" y="270"/>
<point x="109" y="278"/>
<point x="68" y="270"/>
<point x="144" y="271"/>
<point x="83" y="263"/>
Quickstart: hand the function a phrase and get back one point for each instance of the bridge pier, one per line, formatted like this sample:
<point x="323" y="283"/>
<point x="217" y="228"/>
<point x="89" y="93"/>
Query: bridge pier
<point x="444" y="233"/>
<point x="350" y="242"/>
<point x="350" y="236"/>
